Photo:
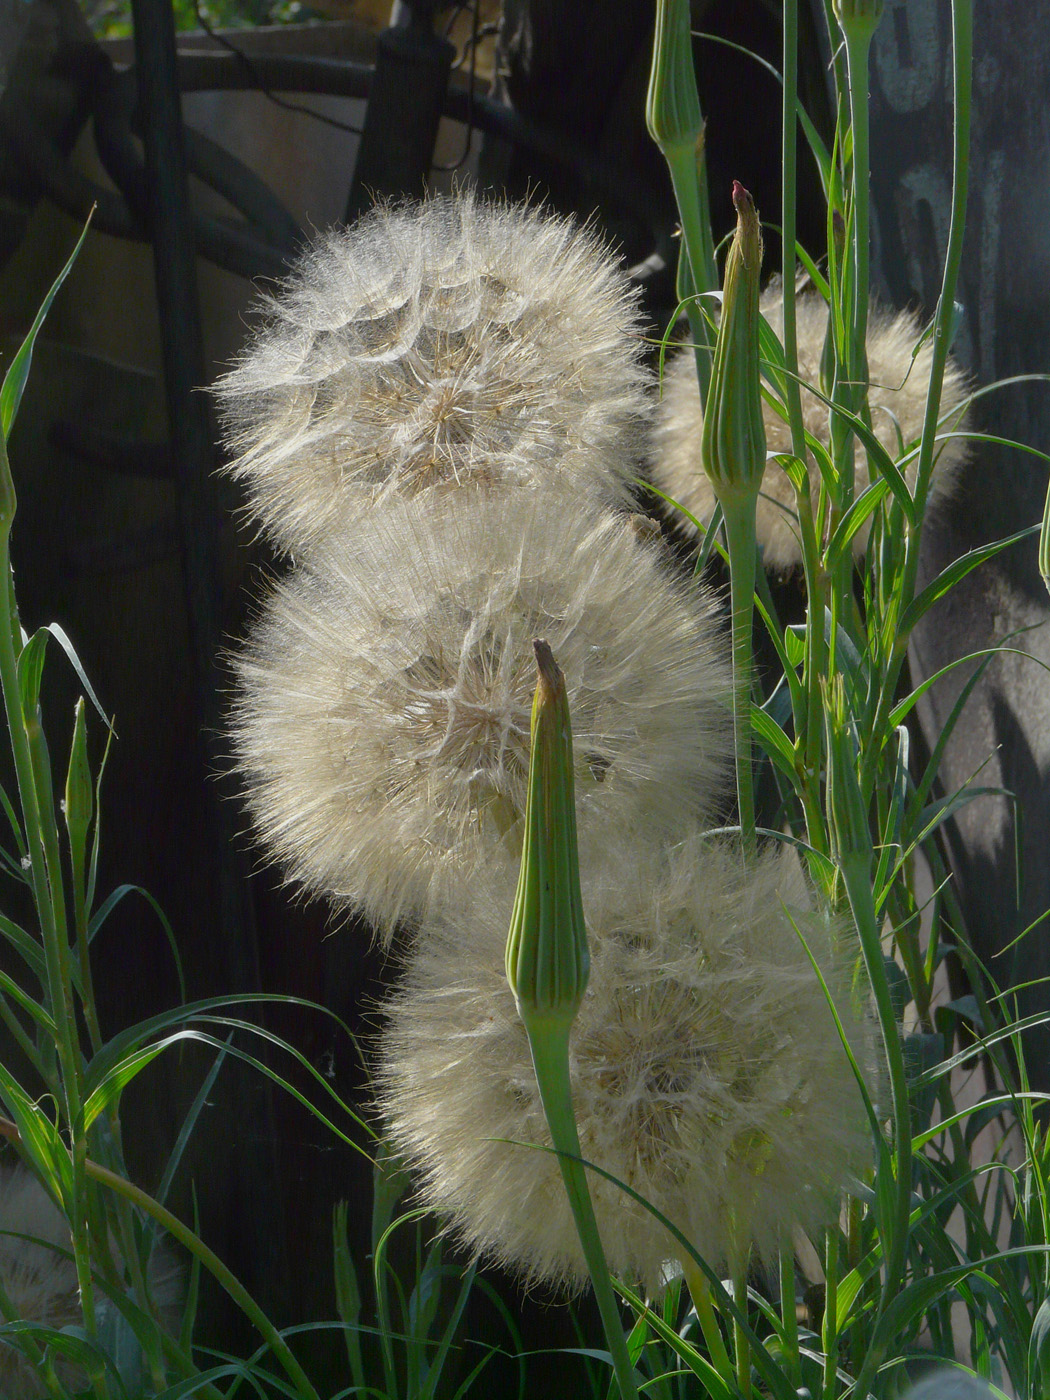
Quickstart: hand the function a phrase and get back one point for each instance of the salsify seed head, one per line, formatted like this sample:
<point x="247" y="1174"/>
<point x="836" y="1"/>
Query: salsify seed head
<point x="707" y="1072"/>
<point x="898" y="405"/>
<point x="384" y="696"/>
<point x="450" y="343"/>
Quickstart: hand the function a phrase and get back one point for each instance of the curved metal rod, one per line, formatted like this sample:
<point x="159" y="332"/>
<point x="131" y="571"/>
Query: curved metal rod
<point x="265" y="243"/>
<point x="224" y="72"/>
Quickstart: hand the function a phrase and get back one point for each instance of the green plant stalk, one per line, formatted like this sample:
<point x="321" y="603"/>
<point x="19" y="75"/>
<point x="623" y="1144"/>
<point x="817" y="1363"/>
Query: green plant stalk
<point x="676" y="124"/>
<point x="739" y="512"/>
<point x="741" y="1345"/>
<point x="788" y="1315"/>
<point x="34" y="787"/>
<point x="218" y="1270"/>
<point x="852" y="848"/>
<point x="962" y="78"/>
<point x="856" y="873"/>
<point x="61" y="995"/>
<point x="815" y="592"/>
<point x="733" y="454"/>
<point x="549" y="1042"/>
<point x="79" y="805"/>
<point x="858" y="51"/>
<point x="789" y="129"/>
<point x="830" y="1324"/>
<point x="548" y="963"/>
<point x="700" y="1293"/>
<point x="851" y="392"/>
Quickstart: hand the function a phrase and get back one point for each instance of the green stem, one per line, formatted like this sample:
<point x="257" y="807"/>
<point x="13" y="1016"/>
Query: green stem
<point x="700" y="1292"/>
<point x="789" y="115"/>
<point x="549" y="1041"/>
<point x="218" y="1270"/>
<point x="739" y="512"/>
<point x="830" y="1325"/>
<point x="815" y="592"/>
<point x="698" y="252"/>
<point x="741" y="1345"/>
<point x="699" y="331"/>
<point x="856" y="872"/>
<point x="962" y="72"/>
<point x="34" y="789"/>
<point x="858" y="48"/>
<point x="788" y="1315"/>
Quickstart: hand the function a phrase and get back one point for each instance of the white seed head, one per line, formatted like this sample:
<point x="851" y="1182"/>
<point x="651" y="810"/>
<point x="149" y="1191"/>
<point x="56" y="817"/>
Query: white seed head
<point x="382" y="721"/>
<point x="707" y="1073"/>
<point x="897" y="398"/>
<point x="40" y="1279"/>
<point x="451" y="343"/>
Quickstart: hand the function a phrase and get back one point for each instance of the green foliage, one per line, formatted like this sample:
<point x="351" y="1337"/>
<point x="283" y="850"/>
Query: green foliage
<point x="111" y="19"/>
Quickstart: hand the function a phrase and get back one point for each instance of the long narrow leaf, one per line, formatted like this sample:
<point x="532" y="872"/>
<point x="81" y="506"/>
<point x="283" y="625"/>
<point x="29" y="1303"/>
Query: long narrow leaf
<point x="18" y="370"/>
<point x="955" y="573"/>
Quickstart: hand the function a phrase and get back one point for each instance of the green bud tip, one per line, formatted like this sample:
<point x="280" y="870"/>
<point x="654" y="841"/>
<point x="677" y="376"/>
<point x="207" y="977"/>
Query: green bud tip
<point x="547" y="955"/>
<point x="733" y="445"/>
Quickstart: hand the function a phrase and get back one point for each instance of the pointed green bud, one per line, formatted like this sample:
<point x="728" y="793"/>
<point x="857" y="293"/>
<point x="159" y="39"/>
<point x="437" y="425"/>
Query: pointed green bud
<point x="733" y="445"/>
<point x="672" y="107"/>
<point x="547" y="957"/>
<point x="676" y="124"/>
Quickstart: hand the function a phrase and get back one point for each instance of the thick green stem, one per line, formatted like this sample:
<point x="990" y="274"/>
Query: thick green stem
<point x="788" y="1315"/>
<point x="549" y="1040"/>
<point x="858" y="49"/>
<point x="856" y="872"/>
<point x="700" y="1292"/>
<point x="830" y="1325"/>
<point x="739" y="512"/>
<point x="741" y="1345"/>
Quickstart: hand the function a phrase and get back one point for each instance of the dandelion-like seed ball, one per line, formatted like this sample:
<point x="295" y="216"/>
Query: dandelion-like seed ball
<point x="385" y="694"/>
<point x="450" y="343"/>
<point x="897" y="398"/>
<point x="707" y="1072"/>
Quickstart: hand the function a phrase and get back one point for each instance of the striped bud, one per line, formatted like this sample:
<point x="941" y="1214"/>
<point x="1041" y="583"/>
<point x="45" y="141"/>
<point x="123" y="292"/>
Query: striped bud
<point x="733" y="446"/>
<point x="547" y="957"/>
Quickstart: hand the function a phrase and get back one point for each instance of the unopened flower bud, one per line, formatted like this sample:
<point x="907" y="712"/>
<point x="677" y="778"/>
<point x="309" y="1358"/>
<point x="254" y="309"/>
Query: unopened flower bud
<point x="672" y="111"/>
<point x="733" y="447"/>
<point x="547" y="956"/>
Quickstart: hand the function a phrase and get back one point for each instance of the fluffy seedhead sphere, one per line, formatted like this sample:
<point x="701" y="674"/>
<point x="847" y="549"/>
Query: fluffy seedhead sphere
<point x="385" y="694"/>
<point x="451" y="343"/>
<point x="40" y="1279"/>
<point x="707" y="1072"/>
<point x="897" y="397"/>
